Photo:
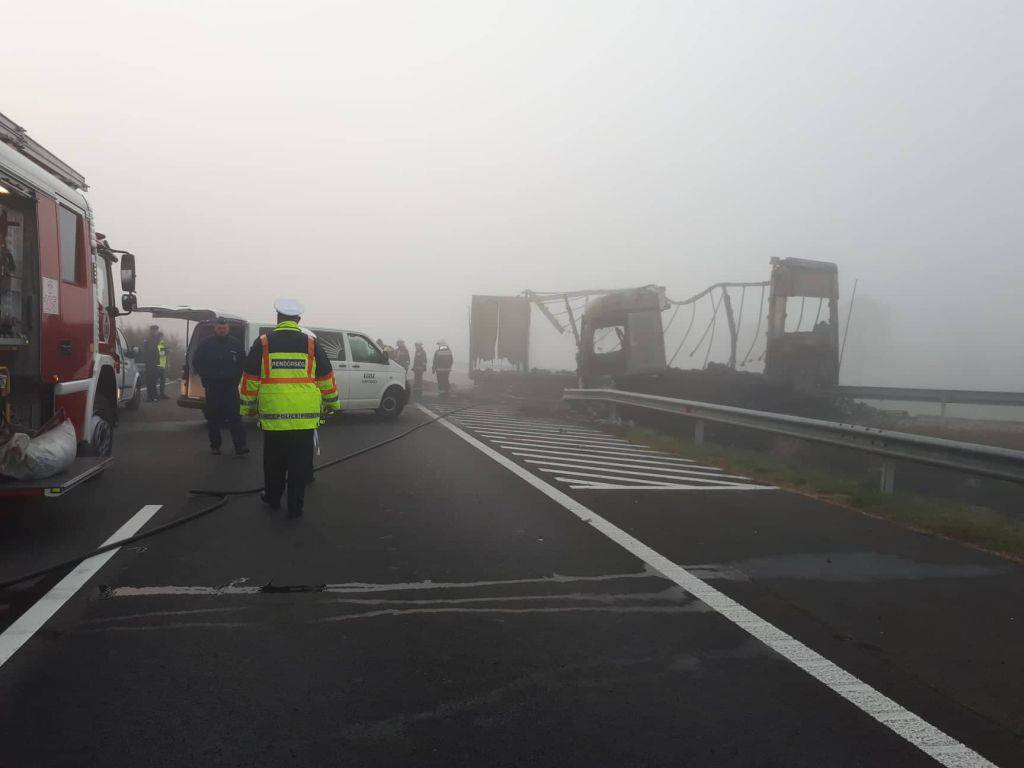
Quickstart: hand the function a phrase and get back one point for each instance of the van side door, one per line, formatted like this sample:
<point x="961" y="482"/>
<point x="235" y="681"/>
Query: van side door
<point x="333" y="343"/>
<point x="368" y="371"/>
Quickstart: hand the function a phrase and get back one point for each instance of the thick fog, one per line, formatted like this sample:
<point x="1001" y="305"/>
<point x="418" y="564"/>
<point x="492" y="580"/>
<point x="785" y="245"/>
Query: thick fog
<point x="384" y="161"/>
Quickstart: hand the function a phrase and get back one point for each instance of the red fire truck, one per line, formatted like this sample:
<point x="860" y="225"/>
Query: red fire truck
<point x="58" y="340"/>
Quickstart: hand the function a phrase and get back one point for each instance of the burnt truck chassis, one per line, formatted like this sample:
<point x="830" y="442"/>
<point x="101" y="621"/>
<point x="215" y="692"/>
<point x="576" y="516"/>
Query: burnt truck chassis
<point x="620" y="336"/>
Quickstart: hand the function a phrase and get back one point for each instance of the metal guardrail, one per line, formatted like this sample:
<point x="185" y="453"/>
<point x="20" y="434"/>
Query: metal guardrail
<point x="972" y="458"/>
<point x="943" y="396"/>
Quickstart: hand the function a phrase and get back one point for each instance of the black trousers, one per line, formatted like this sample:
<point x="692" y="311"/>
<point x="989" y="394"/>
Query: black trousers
<point x="442" y="381"/>
<point x="287" y="460"/>
<point x="417" y="381"/>
<point x="151" y="383"/>
<point x="161" y="376"/>
<point x="222" y="406"/>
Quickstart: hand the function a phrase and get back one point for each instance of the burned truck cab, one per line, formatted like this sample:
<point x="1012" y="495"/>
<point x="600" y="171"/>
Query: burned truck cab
<point x="803" y="324"/>
<point x="622" y="334"/>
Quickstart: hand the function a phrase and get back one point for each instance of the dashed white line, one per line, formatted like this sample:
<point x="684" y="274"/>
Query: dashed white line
<point x="935" y="743"/>
<point x="43" y="610"/>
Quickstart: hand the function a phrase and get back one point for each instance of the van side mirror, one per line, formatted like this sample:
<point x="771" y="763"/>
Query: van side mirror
<point x="387" y="359"/>
<point x="132" y="352"/>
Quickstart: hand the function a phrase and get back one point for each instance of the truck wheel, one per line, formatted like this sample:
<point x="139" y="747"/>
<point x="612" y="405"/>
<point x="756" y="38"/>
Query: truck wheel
<point x="391" y="403"/>
<point x="101" y="428"/>
<point x="136" y="401"/>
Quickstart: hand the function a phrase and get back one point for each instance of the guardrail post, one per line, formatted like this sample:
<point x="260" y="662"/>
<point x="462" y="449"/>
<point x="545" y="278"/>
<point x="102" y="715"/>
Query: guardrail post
<point x="888" y="476"/>
<point x="942" y="409"/>
<point x="698" y="432"/>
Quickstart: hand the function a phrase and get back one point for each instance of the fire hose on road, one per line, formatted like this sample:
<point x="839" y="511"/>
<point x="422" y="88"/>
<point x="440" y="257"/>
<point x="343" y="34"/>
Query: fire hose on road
<point x="222" y="499"/>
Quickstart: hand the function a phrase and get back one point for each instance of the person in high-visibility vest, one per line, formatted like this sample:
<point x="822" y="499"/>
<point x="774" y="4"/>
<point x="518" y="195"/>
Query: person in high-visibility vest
<point x="161" y="366"/>
<point x="289" y="383"/>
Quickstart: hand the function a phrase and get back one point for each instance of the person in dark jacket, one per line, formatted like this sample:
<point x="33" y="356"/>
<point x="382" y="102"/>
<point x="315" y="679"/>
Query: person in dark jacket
<point x="219" y="360"/>
<point x="151" y="358"/>
<point x="419" y="367"/>
<point x="402" y="354"/>
<point x="442" y="367"/>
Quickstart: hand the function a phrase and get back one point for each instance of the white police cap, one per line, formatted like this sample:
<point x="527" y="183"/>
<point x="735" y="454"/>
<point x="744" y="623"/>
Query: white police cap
<point x="290" y="307"/>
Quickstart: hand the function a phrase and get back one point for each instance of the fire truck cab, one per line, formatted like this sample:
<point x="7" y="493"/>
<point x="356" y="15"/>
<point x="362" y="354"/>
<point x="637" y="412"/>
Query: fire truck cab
<point x="58" y="335"/>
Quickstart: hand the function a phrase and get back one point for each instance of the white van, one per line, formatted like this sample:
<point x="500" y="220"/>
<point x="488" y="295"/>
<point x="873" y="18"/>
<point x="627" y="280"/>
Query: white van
<point x="367" y="379"/>
<point x="129" y="378"/>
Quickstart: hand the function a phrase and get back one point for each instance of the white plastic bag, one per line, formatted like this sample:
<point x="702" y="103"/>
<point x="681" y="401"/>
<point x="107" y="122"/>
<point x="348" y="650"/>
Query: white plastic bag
<point x="46" y="455"/>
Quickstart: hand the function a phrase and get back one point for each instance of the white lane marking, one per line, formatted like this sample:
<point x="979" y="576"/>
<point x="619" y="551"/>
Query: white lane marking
<point x="531" y="443"/>
<point x="552" y="433"/>
<point x="679" y="473"/>
<point x="575" y="475"/>
<point x="43" y="610"/>
<point x="575" y="484"/>
<point x="646" y="461"/>
<point x="532" y="427"/>
<point x="559" y="439"/>
<point x="238" y="586"/>
<point x="935" y="743"/>
<point x="624" y="463"/>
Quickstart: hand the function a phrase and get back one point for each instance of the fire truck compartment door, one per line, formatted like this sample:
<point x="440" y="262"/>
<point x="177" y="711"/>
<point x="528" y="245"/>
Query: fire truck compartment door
<point x="80" y="470"/>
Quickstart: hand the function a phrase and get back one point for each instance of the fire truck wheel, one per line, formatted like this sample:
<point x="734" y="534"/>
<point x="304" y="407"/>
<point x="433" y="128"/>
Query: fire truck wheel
<point x="101" y="428"/>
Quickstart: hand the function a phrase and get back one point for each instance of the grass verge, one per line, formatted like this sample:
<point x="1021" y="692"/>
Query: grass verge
<point x="978" y="527"/>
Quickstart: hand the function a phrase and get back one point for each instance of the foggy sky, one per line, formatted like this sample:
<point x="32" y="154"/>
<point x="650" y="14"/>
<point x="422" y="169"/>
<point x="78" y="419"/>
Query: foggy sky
<point x="383" y="161"/>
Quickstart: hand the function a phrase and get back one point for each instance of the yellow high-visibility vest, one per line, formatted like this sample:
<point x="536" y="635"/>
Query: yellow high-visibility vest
<point x="287" y="393"/>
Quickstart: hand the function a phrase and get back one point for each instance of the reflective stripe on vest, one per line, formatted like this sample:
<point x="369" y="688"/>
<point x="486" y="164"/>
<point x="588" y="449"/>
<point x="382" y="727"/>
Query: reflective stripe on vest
<point x="161" y="349"/>
<point x="289" y="396"/>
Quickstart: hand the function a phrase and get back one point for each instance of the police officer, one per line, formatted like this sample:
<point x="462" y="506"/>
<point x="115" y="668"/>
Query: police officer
<point x="288" y="381"/>
<point x="419" y="367"/>
<point x="161" y="365"/>
<point x="442" y="366"/>
<point x="218" y="360"/>
<point x="402" y="354"/>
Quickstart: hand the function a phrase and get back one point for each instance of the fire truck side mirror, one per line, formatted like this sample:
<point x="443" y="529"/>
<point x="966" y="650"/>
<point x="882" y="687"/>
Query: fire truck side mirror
<point x="128" y="273"/>
<point x="129" y="302"/>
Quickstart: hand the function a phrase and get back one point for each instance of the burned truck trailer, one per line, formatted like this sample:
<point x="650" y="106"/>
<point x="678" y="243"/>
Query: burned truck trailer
<point x="807" y="360"/>
<point x="621" y="334"/>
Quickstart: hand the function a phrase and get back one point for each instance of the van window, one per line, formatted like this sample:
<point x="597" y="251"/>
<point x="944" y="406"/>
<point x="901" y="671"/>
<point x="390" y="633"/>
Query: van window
<point x="69" y="226"/>
<point x="364" y="350"/>
<point x="332" y="343"/>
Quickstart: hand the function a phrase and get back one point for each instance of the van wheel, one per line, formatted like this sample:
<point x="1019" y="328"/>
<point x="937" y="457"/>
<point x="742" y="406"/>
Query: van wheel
<point x="391" y="403"/>
<point x="136" y="401"/>
<point x="101" y="428"/>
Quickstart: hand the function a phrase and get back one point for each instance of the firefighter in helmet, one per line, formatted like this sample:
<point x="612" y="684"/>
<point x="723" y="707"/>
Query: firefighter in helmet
<point x="442" y="367"/>
<point x="289" y="383"/>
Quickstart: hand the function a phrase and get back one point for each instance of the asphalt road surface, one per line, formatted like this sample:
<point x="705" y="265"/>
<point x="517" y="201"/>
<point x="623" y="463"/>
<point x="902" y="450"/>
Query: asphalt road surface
<point x="494" y="589"/>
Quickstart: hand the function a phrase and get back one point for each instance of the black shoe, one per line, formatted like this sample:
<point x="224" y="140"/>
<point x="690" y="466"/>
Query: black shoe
<point x="294" y="512"/>
<point x="241" y="451"/>
<point x="215" y="450"/>
<point x="275" y="504"/>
